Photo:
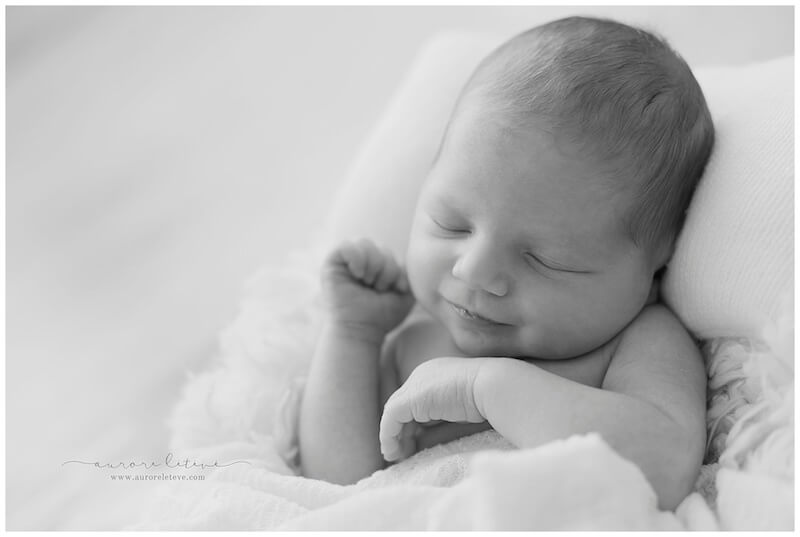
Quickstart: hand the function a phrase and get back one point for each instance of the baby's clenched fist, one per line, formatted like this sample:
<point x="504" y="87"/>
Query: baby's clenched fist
<point x="365" y="288"/>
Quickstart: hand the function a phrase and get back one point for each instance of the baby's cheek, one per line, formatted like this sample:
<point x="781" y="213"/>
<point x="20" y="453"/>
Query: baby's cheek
<point x="555" y="330"/>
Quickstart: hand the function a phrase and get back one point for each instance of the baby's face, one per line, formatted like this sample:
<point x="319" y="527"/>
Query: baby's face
<point x="517" y="248"/>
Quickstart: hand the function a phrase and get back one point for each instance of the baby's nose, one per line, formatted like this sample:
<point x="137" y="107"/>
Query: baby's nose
<point x="479" y="270"/>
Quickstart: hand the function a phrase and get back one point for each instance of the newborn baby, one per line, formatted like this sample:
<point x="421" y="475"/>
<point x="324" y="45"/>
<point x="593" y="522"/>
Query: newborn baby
<point x="555" y="199"/>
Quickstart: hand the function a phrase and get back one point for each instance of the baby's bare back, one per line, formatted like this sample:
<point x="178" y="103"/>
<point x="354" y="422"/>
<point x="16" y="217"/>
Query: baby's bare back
<point x="422" y="338"/>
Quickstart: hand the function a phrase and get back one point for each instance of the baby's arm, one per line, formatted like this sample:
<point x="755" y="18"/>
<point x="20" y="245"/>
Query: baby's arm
<point x="366" y="296"/>
<point x="586" y="370"/>
<point x="651" y="408"/>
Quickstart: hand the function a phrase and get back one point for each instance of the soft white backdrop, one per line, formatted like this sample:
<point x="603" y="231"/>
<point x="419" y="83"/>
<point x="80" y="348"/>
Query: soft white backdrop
<point x="155" y="157"/>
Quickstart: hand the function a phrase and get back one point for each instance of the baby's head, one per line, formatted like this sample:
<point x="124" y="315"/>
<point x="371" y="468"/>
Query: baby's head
<point x="559" y="189"/>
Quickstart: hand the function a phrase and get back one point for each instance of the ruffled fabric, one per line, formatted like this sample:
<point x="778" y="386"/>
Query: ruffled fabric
<point x="750" y="423"/>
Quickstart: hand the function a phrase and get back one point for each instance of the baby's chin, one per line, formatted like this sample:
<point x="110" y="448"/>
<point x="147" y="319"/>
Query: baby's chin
<point x="475" y="344"/>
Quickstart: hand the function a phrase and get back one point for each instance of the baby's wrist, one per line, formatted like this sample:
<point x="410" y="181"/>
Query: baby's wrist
<point x="360" y="331"/>
<point x="487" y="380"/>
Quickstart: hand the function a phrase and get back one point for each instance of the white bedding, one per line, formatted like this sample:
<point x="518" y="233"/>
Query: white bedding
<point x="474" y="483"/>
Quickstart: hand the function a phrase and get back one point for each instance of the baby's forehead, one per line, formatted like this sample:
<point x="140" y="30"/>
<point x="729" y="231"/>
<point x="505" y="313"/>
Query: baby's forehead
<point x="484" y="135"/>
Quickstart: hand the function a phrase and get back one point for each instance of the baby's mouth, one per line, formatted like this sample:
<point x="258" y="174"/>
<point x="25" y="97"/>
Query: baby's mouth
<point x="464" y="313"/>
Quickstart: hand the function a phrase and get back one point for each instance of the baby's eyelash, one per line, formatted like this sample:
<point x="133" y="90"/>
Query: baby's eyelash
<point x="534" y="259"/>
<point x="553" y="266"/>
<point x="449" y="228"/>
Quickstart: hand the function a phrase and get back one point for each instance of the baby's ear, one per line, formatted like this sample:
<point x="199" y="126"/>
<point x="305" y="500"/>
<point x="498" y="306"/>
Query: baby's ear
<point x="662" y="253"/>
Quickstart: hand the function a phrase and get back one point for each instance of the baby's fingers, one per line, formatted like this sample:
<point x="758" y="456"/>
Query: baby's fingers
<point x="352" y="257"/>
<point x="372" y="266"/>
<point x="398" y="428"/>
<point x="408" y="440"/>
<point x="390" y="438"/>
<point x="374" y="261"/>
<point x="390" y="273"/>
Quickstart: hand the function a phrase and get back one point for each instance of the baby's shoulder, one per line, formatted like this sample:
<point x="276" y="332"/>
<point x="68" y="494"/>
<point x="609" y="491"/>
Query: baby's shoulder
<point x="656" y="323"/>
<point x="654" y="346"/>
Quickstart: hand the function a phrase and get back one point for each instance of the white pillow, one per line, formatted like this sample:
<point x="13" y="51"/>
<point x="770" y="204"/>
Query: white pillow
<point x="733" y="261"/>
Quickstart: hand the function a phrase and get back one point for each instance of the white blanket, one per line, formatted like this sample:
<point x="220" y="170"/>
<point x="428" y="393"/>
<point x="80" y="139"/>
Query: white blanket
<point x="475" y="483"/>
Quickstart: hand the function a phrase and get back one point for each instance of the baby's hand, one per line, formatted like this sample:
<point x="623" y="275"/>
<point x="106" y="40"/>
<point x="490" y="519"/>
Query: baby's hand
<point x="365" y="288"/>
<point x="439" y="389"/>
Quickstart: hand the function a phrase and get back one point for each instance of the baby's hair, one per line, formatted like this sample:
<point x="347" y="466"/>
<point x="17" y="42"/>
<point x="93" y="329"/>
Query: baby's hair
<point x="620" y="93"/>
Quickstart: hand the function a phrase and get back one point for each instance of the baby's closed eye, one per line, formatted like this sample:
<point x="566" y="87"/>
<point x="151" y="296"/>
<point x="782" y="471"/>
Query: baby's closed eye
<point x="538" y="260"/>
<point x="450" y="225"/>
